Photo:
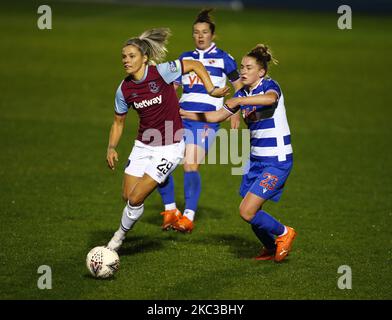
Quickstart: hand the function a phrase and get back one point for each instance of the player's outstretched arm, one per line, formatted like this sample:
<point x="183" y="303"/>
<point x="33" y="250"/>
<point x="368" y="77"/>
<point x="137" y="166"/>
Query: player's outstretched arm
<point x="114" y="137"/>
<point x="267" y="99"/>
<point x="200" y="70"/>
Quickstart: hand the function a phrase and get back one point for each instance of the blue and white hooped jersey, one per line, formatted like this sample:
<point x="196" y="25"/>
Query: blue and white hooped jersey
<point x="220" y="66"/>
<point x="270" y="139"/>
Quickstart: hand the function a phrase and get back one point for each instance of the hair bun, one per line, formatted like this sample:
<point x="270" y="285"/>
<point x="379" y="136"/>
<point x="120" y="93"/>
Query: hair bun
<point x="204" y="15"/>
<point x="267" y="56"/>
<point x="263" y="55"/>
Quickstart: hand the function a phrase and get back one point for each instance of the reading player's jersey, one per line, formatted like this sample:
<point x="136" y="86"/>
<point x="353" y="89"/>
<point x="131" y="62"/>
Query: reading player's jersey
<point x="156" y="102"/>
<point x="269" y="130"/>
<point x="220" y="66"/>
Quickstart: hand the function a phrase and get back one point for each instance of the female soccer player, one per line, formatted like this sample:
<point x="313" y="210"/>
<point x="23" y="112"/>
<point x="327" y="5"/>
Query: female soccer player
<point x="159" y="146"/>
<point x="199" y="135"/>
<point x="262" y="105"/>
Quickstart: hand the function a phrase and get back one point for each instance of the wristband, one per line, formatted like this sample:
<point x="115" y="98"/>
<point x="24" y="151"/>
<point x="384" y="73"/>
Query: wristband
<point x="210" y="92"/>
<point x="231" y="110"/>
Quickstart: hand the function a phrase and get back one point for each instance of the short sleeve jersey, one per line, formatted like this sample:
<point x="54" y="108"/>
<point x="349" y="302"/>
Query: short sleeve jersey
<point x="155" y="101"/>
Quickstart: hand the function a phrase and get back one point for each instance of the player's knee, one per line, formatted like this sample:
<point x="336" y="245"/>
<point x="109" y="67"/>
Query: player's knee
<point x="191" y="167"/>
<point x="246" y="213"/>
<point x="135" y="198"/>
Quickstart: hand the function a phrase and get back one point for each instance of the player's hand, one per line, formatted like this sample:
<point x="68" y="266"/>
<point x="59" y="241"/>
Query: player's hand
<point x="111" y="157"/>
<point x="220" y="92"/>
<point x="183" y="113"/>
<point x="232" y="103"/>
<point x="235" y="121"/>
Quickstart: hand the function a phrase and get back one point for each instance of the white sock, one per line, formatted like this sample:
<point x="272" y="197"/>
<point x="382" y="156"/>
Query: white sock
<point x="120" y="233"/>
<point x="190" y="214"/>
<point x="130" y="216"/>
<point x="170" y="206"/>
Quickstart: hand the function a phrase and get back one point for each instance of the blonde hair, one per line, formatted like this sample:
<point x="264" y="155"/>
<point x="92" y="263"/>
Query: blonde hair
<point x="152" y="43"/>
<point x="263" y="55"/>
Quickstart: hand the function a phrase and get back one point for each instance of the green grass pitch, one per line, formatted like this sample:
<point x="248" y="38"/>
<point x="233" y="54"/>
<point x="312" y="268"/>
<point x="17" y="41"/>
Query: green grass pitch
<point x="58" y="199"/>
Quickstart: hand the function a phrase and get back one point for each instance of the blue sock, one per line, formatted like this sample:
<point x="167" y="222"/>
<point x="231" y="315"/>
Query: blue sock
<point x="265" y="237"/>
<point x="262" y="220"/>
<point x="166" y="190"/>
<point x="192" y="189"/>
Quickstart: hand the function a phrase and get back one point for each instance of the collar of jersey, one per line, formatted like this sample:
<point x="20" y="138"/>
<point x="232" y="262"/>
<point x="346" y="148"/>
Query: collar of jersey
<point x="210" y="48"/>
<point x="143" y="78"/>
<point x="249" y="92"/>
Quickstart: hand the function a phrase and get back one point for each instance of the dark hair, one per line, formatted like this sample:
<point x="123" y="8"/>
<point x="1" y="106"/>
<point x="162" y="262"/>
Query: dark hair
<point x="263" y="56"/>
<point x="151" y="43"/>
<point x="204" y="16"/>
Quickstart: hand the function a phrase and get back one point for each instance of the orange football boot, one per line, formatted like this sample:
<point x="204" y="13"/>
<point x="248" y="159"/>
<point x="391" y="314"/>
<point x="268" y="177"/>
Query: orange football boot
<point x="170" y="217"/>
<point x="284" y="243"/>
<point x="266" y="254"/>
<point x="183" y="225"/>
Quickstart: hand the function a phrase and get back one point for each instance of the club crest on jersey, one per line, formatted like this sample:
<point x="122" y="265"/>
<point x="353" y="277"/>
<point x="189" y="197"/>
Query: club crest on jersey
<point x="154" y="88"/>
<point x="247" y="113"/>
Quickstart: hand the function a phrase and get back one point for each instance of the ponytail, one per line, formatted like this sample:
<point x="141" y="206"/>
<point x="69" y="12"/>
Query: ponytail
<point x="152" y="43"/>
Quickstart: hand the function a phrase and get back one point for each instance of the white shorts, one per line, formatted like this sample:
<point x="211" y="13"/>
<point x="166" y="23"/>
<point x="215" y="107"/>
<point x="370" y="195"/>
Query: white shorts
<point x="158" y="162"/>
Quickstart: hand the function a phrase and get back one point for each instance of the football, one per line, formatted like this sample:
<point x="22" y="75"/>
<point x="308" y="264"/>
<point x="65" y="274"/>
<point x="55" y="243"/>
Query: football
<point x="102" y="262"/>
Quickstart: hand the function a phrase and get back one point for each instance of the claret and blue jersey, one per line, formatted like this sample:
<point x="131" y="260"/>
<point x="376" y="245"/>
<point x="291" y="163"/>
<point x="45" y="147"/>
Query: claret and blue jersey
<point x="155" y="100"/>
<point x="271" y="154"/>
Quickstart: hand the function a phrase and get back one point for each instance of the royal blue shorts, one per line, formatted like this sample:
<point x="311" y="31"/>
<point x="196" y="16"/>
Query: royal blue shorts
<point x="200" y="133"/>
<point x="265" y="180"/>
